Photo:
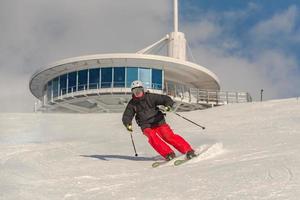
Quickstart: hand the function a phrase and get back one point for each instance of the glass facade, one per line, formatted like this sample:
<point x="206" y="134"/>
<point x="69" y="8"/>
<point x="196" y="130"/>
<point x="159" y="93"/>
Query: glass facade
<point x="63" y="84"/>
<point x="157" y="79"/>
<point x="82" y="79"/>
<point x="145" y="77"/>
<point x="72" y="78"/>
<point x="94" y="78"/>
<point x="119" y="77"/>
<point x="106" y="77"/>
<point x="55" y="87"/>
<point x="49" y="90"/>
<point x="132" y="75"/>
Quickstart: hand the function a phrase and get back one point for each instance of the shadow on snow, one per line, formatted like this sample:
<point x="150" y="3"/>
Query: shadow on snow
<point x="109" y="157"/>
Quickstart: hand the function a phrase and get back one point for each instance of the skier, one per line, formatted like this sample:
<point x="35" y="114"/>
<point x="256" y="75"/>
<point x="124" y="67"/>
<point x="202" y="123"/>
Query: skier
<point x="143" y="106"/>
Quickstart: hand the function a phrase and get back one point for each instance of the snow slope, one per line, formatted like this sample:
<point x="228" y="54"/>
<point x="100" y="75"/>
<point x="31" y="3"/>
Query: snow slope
<point x="255" y="155"/>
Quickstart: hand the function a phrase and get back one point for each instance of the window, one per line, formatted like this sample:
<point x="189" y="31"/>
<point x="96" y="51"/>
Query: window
<point x="132" y="75"/>
<point x="157" y="79"/>
<point x="82" y="79"/>
<point x="63" y="84"/>
<point x="145" y="77"/>
<point x="119" y="77"/>
<point x="72" y="77"/>
<point x="49" y="90"/>
<point x="170" y="88"/>
<point x="106" y="77"/>
<point x="55" y="87"/>
<point x="94" y="78"/>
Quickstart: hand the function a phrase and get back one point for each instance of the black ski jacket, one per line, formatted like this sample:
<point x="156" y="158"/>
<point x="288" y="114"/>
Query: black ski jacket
<point x="145" y="110"/>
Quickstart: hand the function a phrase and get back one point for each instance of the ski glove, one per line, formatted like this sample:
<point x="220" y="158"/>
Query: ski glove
<point x="129" y="127"/>
<point x="171" y="108"/>
<point x="168" y="108"/>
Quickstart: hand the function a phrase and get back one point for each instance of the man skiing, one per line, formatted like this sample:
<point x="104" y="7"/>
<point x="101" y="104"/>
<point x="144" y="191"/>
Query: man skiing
<point x="143" y="106"/>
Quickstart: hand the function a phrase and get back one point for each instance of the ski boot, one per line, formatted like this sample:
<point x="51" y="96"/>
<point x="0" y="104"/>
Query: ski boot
<point x="190" y="154"/>
<point x="170" y="156"/>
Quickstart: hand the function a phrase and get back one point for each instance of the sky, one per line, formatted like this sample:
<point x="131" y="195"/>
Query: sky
<point x="250" y="45"/>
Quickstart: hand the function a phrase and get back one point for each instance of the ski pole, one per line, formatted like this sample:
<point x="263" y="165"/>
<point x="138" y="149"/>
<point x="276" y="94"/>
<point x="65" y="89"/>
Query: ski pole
<point x="189" y="120"/>
<point x="133" y="145"/>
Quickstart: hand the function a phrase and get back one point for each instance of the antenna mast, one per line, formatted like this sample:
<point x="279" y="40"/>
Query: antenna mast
<point x="175" y="15"/>
<point x="177" y="42"/>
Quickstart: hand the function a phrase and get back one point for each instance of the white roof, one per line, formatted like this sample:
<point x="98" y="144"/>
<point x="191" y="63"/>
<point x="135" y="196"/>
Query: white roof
<point x="175" y="69"/>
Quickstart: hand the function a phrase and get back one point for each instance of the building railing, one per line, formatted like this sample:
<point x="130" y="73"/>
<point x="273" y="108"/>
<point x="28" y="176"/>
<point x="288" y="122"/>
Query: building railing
<point x="194" y="95"/>
<point x="88" y="89"/>
<point x="178" y="92"/>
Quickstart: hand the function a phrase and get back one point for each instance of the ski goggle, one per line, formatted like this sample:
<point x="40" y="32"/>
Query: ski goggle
<point x="137" y="91"/>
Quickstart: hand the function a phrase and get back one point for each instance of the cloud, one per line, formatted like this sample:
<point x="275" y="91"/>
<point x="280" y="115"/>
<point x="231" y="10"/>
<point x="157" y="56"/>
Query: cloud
<point x="203" y="31"/>
<point x="235" y="73"/>
<point x="51" y="30"/>
<point x="251" y="65"/>
<point x="35" y="33"/>
<point x="15" y="94"/>
<point x="280" y="25"/>
<point x="238" y="14"/>
<point x="281" y="70"/>
<point x="275" y="72"/>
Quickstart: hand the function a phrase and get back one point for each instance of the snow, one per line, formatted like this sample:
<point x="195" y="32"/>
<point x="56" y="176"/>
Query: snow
<point x="254" y="155"/>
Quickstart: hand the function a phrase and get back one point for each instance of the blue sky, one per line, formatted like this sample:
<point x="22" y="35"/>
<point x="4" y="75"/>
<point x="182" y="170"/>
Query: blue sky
<point x="248" y="44"/>
<point x="259" y="10"/>
<point x="263" y="34"/>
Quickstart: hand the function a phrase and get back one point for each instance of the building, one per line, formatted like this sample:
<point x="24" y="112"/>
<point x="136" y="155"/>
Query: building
<point x="101" y="82"/>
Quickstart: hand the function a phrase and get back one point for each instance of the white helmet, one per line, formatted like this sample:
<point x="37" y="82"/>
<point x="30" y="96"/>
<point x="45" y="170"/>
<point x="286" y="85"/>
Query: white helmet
<point x="136" y="84"/>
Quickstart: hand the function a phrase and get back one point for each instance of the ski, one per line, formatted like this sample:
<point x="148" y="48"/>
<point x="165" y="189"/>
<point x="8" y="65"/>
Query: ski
<point x="164" y="162"/>
<point x="181" y="161"/>
<point x="160" y="163"/>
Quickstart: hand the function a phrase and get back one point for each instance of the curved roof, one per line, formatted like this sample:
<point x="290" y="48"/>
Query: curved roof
<point x="175" y="69"/>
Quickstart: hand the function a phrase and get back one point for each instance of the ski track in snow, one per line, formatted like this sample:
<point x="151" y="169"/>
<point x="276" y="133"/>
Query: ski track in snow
<point x="253" y="154"/>
<point x="212" y="151"/>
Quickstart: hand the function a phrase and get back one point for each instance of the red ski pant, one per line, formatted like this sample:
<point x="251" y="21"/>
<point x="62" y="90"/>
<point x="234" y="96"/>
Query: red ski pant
<point x="159" y="136"/>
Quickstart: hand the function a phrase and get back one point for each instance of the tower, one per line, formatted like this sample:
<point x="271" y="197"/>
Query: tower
<point x="177" y="41"/>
